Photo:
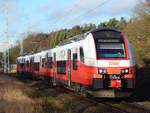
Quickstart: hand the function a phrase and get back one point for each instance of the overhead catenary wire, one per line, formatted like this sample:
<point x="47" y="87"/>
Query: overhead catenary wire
<point x="88" y="12"/>
<point x="56" y="23"/>
<point x="66" y="21"/>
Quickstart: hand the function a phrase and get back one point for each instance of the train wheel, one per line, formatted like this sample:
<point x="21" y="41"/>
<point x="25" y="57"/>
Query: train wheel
<point x="51" y="82"/>
<point x="77" y="88"/>
<point x="83" y="91"/>
<point x="54" y="83"/>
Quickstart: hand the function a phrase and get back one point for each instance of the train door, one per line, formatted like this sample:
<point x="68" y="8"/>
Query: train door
<point x="46" y="64"/>
<point x="32" y="65"/>
<point x="54" y="68"/>
<point x="40" y="65"/>
<point x="69" y="67"/>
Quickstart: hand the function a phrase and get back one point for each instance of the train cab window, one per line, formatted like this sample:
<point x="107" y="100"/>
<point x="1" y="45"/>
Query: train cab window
<point x="61" y="67"/>
<point x="75" y="67"/>
<point x="50" y="62"/>
<point x="109" y="44"/>
<point x="43" y="62"/>
<point x="81" y="54"/>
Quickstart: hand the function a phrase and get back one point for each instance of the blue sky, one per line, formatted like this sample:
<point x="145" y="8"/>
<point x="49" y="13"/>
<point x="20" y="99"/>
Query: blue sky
<point x="26" y="16"/>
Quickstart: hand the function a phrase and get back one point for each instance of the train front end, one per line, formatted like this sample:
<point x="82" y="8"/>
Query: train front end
<point x="115" y="64"/>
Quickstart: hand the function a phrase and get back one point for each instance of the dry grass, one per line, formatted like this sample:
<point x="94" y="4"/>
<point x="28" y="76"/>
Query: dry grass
<point x="20" y="97"/>
<point x="13" y="98"/>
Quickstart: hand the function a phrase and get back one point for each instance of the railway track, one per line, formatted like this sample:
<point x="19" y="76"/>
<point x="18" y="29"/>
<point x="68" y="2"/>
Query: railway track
<point x="110" y="106"/>
<point x="106" y="105"/>
<point x="114" y="106"/>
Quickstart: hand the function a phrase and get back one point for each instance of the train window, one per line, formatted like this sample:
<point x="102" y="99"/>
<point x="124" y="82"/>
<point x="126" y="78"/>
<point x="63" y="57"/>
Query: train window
<point x="131" y="52"/>
<point x="31" y="61"/>
<point x="75" y="61"/>
<point x="22" y="65"/>
<point x="61" y="67"/>
<point x="36" y="66"/>
<point x="50" y="62"/>
<point x="43" y="62"/>
<point x="81" y="54"/>
<point x="27" y="63"/>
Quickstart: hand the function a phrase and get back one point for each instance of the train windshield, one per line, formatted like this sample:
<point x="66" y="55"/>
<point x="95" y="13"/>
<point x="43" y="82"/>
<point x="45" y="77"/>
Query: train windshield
<point x="110" y="50"/>
<point x="109" y="44"/>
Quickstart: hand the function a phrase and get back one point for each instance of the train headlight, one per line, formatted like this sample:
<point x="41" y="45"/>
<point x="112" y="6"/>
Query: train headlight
<point x="102" y="71"/>
<point x="125" y="71"/>
<point x="122" y="71"/>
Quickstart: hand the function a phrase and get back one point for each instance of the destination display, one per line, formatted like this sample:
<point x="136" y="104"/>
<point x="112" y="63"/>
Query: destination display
<point x="108" y="41"/>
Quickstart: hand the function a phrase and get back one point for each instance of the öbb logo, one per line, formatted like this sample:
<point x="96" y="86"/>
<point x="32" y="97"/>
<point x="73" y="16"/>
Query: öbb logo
<point x="113" y="63"/>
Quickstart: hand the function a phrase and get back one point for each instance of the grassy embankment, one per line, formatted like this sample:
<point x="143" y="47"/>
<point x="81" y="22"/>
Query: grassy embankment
<point x="19" y="97"/>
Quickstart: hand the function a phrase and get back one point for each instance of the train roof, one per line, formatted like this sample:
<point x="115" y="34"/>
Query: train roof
<point x="82" y="36"/>
<point x="104" y="29"/>
<point x="72" y="39"/>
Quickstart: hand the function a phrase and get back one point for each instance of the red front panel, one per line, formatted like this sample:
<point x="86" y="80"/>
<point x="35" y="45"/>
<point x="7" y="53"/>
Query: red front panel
<point x="115" y="83"/>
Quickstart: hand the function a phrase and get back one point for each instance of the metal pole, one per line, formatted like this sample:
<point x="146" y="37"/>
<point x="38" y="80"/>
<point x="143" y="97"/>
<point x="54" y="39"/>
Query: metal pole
<point x="8" y="62"/>
<point x="21" y="47"/>
<point x="6" y="53"/>
<point x="4" y="57"/>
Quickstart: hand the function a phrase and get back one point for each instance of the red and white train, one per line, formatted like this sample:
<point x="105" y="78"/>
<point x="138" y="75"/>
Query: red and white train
<point x="99" y="62"/>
